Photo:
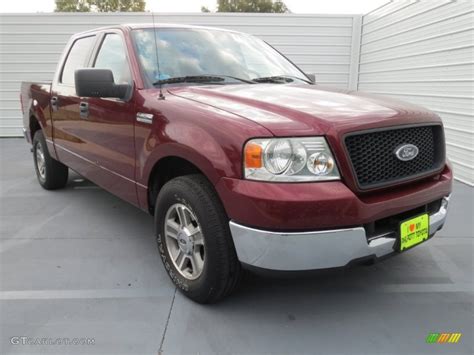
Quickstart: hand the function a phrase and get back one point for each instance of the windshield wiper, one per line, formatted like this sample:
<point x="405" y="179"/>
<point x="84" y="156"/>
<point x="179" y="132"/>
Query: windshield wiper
<point x="199" y="79"/>
<point x="278" y="79"/>
<point x="239" y="79"/>
<point x="190" y="79"/>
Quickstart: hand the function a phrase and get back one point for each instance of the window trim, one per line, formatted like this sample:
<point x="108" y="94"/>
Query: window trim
<point x="86" y="58"/>
<point x="98" y="46"/>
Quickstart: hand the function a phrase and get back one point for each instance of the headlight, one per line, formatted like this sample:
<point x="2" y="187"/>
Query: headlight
<point x="289" y="159"/>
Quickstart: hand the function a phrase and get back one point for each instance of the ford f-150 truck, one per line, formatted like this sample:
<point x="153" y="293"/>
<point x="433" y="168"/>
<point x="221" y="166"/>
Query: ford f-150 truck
<point x="242" y="160"/>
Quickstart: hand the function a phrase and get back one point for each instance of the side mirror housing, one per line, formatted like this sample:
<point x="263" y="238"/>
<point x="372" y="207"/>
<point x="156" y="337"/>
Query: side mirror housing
<point x="311" y="77"/>
<point x="93" y="82"/>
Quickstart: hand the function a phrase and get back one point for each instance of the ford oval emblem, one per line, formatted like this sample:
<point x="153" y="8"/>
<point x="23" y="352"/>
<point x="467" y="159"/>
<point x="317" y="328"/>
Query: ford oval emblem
<point x="406" y="152"/>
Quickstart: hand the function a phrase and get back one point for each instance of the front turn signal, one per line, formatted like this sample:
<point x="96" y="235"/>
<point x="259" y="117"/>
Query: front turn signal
<point x="253" y="156"/>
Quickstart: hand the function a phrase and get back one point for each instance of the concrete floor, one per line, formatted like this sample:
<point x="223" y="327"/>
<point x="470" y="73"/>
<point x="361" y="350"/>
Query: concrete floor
<point x="79" y="262"/>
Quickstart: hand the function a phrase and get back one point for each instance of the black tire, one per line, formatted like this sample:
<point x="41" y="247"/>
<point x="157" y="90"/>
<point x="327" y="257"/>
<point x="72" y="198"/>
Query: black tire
<point x="54" y="175"/>
<point x="221" y="271"/>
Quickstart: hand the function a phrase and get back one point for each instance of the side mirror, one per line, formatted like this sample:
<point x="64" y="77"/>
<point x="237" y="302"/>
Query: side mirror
<point x="94" y="82"/>
<point x="311" y="77"/>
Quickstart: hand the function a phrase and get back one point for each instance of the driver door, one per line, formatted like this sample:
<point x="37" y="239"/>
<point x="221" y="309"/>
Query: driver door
<point x="110" y="135"/>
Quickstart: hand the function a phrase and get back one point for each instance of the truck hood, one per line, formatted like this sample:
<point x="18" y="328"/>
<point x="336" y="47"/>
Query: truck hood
<point x="306" y="109"/>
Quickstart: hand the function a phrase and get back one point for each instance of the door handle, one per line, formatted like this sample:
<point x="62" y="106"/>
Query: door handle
<point x="54" y="103"/>
<point x="84" y="109"/>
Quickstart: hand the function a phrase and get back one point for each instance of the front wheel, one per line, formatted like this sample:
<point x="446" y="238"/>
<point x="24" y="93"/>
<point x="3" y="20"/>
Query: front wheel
<point x="194" y="239"/>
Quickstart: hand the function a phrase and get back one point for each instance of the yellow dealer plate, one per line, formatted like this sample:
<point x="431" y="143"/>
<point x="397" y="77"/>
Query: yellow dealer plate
<point x="414" y="231"/>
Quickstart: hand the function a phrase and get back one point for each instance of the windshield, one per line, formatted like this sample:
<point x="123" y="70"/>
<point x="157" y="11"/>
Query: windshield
<point x="184" y="52"/>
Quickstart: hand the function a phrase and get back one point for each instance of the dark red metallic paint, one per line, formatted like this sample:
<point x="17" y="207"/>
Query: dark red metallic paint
<point x="208" y="127"/>
<point x="322" y="205"/>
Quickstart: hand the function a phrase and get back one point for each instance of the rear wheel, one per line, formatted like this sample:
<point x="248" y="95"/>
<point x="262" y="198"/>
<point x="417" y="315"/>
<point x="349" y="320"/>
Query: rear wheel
<point x="194" y="239"/>
<point x="51" y="174"/>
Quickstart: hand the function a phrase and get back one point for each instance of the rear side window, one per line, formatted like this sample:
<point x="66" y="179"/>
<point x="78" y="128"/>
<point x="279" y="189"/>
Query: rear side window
<point x="76" y="58"/>
<point x="112" y="56"/>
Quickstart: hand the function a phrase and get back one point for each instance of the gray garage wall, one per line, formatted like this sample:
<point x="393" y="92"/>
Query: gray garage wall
<point x="419" y="51"/>
<point x="423" y="52"/>
<point x="30" y="45"/>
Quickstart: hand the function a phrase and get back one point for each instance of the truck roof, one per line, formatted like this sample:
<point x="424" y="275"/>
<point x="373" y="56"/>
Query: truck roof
<point x="151" y="25"/>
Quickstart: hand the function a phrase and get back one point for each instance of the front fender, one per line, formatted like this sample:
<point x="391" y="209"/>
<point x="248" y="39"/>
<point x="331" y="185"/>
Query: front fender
<point x="191" y="143"/>
<point x="179" y="151"/>
<point x="209" y="138"/>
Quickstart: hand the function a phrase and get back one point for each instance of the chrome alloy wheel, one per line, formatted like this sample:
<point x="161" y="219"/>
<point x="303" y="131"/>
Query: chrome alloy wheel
<point x="40" y="161"/>
<point x="184" y="241"/>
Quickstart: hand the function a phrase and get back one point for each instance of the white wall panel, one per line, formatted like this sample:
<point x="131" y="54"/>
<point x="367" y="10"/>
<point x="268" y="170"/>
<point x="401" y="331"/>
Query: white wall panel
<point x="415" y="50"/>
<point x="423" y="52"/>
<point x="30" y="45"/>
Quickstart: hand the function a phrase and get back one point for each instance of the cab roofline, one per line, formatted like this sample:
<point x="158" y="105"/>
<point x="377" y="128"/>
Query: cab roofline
<point x="135" y="26"/>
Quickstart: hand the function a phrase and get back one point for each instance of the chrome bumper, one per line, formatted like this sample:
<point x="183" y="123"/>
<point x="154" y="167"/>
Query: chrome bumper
<point x="315" y="250"/>
<point x="26" y="136"/>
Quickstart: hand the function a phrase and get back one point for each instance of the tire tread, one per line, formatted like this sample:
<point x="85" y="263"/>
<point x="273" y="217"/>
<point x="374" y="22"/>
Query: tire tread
<point x="229" y="268"/>
<point x="56" y="172"/>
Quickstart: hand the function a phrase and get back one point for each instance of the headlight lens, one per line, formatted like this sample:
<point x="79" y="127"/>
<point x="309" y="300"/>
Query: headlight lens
<point x="277" y="156"/>
<point x="320" y="164"/>
<point x="289" y="159"/>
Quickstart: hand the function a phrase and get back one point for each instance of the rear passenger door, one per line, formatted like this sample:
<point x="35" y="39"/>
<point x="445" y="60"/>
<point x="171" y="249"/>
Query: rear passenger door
<point x="111" y="121"/>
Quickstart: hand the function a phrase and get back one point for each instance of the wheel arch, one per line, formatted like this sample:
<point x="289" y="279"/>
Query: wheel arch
<point x="34" y="125"/>
<point x="184" y="149"/>
<point x="167" y="168"/>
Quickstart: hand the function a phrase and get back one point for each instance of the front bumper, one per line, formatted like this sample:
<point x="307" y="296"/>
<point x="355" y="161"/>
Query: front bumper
<point x="316" y="250"/>
<point x="322" y="205"/>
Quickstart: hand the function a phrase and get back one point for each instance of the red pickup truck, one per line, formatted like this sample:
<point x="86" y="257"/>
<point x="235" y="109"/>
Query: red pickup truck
<point x="240" y="157"/>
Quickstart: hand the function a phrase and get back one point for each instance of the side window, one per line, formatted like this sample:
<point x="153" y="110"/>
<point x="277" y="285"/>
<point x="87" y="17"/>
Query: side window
<point x="76" y="58"/>
<point x="112" y="56"/>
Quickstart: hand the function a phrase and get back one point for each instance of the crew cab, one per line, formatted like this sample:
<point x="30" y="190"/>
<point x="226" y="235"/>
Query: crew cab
<point x="241" y="158"/>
